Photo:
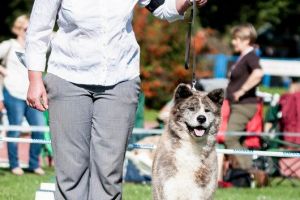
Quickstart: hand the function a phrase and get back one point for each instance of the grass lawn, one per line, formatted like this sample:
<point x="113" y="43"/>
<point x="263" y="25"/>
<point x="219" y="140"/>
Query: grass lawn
<point x="150" y="115"/>
<point x="282" y="192"/>
<point x="273" y="90"/>
<point x="24" y="187"/>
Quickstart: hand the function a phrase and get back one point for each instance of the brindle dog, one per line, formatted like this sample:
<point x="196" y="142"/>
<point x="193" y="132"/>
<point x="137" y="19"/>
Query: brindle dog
<point x="185" y="162"/>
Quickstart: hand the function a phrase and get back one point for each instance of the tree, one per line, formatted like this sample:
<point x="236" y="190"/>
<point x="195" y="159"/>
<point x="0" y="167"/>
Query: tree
<point x="275" y="20"/>
<point x="9" y="10"/>
<point x="221" y="14"/>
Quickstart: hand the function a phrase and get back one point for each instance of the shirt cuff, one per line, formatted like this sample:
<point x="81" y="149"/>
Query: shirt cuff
<point x="173" y="14"/>
<point x="35" y="62"/>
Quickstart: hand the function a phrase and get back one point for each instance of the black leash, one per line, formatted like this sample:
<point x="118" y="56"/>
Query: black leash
<point x="191" y="22"/>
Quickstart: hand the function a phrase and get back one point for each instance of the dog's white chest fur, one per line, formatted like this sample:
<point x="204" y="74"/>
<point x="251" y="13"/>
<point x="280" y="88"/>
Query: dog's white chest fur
<point x="187" y="164"/>
<point x="183" y="185"/>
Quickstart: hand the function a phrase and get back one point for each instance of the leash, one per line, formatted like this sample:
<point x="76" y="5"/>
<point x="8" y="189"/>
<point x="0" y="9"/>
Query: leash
<point x="188" y="41"/>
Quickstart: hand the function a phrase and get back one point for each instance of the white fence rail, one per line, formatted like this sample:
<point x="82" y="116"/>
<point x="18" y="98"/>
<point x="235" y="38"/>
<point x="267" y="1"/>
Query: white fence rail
<point x="278" y="67"/>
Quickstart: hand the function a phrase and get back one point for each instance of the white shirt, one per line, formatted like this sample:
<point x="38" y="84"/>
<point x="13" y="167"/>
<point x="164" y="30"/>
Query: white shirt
<point x="16" y="79"/>
<point x="95" y="43"/>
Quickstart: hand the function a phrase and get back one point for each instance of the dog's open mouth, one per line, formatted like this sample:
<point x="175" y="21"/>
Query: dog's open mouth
<point x="198" y="131"/>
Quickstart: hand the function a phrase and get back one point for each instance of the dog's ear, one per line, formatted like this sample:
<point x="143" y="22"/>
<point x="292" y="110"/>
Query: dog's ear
<point x="182" y="92"/>
<point x="217" y="96"/>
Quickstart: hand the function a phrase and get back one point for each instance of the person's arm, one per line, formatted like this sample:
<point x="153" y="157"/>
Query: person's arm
<point x="4" y="48"/>
<point x="254" y="79"/>
<point x="42" y="20"/>
<point x="1" y="99"/>
<point x="170" y="10"/>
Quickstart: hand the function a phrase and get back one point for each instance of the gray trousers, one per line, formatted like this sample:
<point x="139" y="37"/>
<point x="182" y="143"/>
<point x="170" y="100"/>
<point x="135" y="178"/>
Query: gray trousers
<point x="90" y="126"/>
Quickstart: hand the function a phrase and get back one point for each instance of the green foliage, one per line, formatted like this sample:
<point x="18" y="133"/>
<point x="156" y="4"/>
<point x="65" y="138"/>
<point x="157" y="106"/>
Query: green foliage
<point x="162" y="56"/>
<point x="271" y="11"/>
<point x="280" y="14"/>
<point x="9" y="10"/>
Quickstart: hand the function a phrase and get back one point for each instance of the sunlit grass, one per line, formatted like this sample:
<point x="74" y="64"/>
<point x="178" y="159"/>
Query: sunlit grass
<point x="24" y="188"/>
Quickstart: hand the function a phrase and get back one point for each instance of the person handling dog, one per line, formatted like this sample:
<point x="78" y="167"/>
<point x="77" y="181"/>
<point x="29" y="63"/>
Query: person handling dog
<point x="91" y="87"/>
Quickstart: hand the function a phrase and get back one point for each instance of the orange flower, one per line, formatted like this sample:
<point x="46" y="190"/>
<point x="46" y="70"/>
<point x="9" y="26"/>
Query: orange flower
<point x="156" y="84"/>
<point x="158" y="70"/>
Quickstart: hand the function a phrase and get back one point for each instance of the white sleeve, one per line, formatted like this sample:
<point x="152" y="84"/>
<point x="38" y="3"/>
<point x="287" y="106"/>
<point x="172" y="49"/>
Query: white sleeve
<point x="166" y="11"/>
<point x="143" y="3"/>
<point x="4" y="48"/>
<point x="42" y="20"/>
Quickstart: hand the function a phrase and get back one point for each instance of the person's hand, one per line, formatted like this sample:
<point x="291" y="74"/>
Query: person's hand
<point x="200" y="3"/>
<point x="183" y="5"/>
<point x="238" y="94"/>
<point x="3" y="71"/>
<point x="37" y="95"/>
<point x="1" y="106"/>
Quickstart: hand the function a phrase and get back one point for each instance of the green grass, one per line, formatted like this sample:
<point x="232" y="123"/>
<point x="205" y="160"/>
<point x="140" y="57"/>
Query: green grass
<point x="282" y="192"/>
<point x="137" y="191"/>
<point x="21" y="187"/>
<point x="150" y="115"/>
<point x="24" y="187"/>
<point x="273" y="90"/>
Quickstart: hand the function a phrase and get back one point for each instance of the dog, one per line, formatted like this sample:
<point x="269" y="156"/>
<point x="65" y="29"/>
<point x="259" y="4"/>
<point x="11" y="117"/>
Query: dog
<point x="185" y="161"/>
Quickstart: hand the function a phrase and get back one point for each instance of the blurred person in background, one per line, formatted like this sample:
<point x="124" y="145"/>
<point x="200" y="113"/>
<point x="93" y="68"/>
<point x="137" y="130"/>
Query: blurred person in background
<point x="15" y="86"/>
<point x="244" y="77"/>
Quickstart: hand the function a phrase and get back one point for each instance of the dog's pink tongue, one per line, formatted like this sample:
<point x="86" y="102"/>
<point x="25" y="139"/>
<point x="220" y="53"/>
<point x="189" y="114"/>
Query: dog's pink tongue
<point x="199" y="132"/>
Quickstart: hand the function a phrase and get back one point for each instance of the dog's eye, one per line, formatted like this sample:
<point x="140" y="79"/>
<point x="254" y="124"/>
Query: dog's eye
<point x="191" y="108"/>
<point x="207" y="110"/>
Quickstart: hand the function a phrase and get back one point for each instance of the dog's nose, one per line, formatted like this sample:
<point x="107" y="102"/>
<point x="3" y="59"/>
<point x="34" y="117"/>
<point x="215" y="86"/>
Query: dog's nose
<point x="201" y="119"/>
